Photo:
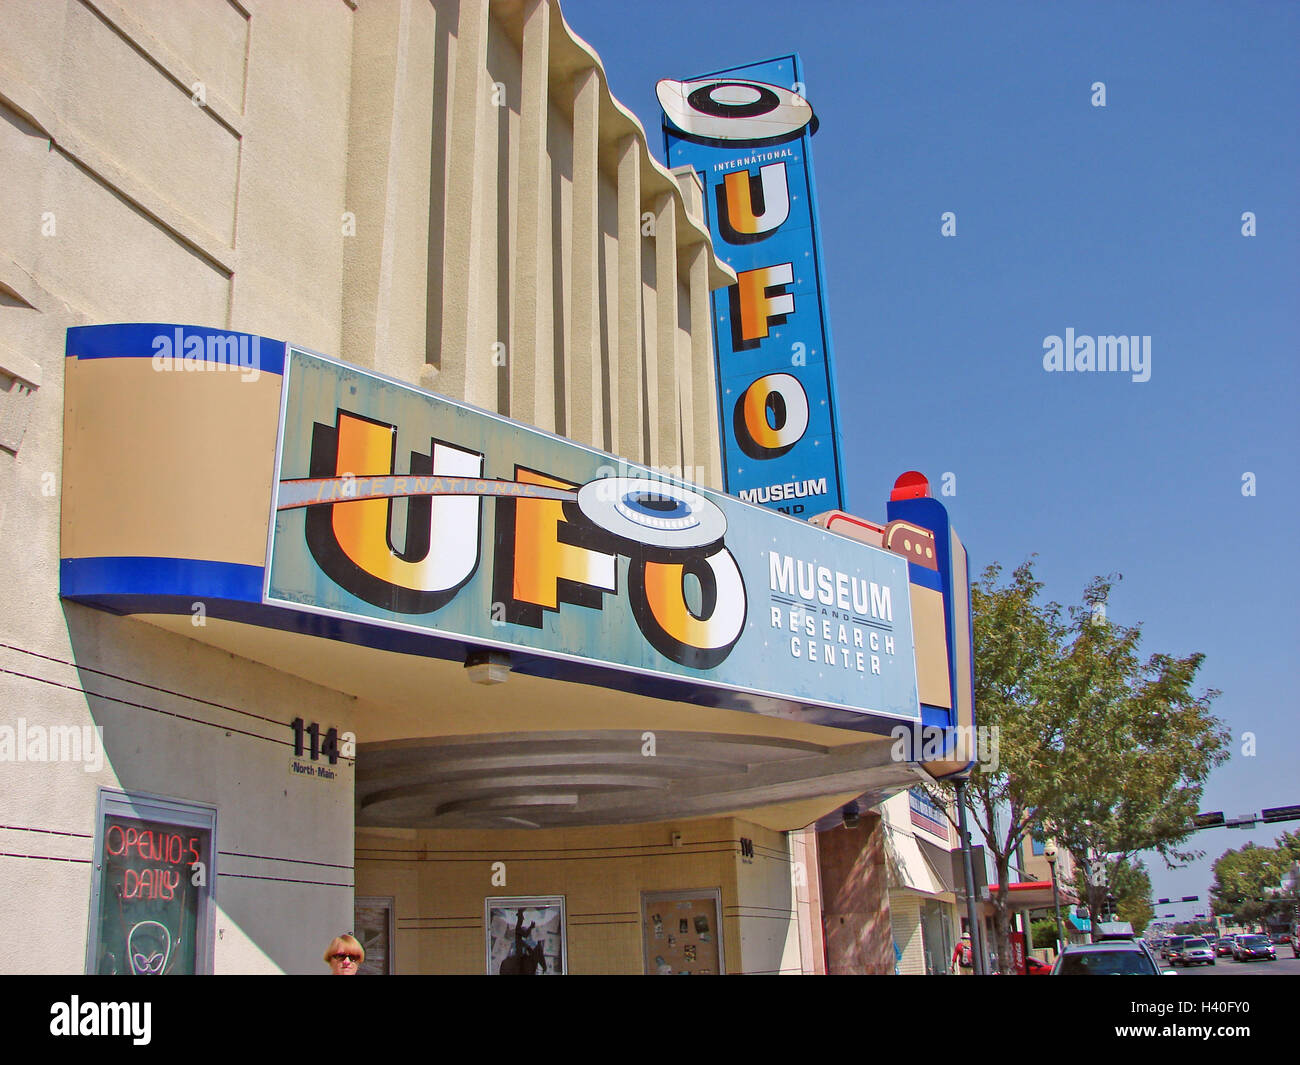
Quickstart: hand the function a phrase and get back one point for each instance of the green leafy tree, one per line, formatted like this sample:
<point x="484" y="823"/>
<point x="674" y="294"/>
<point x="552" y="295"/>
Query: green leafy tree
<point x="1130" y="884"/>
<point x="1289" y="843"/>
<point x="1043" y="932"/>
<point x="1245" y="887"/>
<point x="1136" y="749"/>
<point x="1016" y="640"/>
<point x="1108" y="752"/>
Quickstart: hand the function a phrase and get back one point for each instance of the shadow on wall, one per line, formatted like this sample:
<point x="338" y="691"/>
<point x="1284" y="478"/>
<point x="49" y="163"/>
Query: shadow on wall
<point x="855" y="899"/>
<point x="186" y="721"/>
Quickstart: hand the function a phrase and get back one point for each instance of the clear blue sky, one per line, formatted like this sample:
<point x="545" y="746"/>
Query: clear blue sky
<point x="1117" y="220"/>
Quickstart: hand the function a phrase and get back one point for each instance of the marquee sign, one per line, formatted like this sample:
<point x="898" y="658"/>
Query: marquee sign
<point x="746" y="132"/>
<point x="403" y="509"/>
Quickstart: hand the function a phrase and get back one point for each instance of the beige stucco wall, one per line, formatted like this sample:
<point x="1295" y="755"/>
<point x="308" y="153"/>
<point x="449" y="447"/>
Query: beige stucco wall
<point x="321" y="173"/>
<point x="179" y="720"/>
<point x="1036" y="867"/>
<point x="767" y="908"/>
<point x="466" y="269"/>
<point x="127" y="202"/>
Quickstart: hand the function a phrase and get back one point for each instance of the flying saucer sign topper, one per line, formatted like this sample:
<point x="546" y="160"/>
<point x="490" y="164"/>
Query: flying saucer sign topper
<point x="735" y="111"/>
<point x="653" y="514"/>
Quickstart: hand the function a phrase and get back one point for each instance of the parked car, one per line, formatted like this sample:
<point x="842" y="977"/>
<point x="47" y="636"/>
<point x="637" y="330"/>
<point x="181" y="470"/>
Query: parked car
<point x="1195" y="951"/>
<point x="1255" y="947"/>
<point x="1036" y="967"/>
<point x="1109" y="958"/>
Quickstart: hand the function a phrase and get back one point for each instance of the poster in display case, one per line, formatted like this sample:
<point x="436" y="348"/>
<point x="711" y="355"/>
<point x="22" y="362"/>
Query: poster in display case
<point x="526" y="935"/>
<point x="373" y="921"/>
<point x="682" y="932"/>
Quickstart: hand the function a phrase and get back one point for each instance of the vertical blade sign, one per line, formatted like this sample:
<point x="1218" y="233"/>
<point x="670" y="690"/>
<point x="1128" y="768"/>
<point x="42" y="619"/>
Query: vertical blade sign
<point x="746" y="132"/>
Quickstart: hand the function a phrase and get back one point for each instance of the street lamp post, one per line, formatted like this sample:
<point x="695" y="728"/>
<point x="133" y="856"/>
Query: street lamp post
<point x="972" y="904"/>
<point x="1049" y="852"/>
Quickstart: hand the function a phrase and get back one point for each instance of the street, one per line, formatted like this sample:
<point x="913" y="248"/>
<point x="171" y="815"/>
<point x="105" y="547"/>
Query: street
<point x="1285" y="965"/>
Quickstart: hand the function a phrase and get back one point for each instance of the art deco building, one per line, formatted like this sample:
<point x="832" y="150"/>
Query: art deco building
<point x="209" y="766"/>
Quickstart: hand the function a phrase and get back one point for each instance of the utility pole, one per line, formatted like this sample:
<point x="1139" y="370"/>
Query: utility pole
<point x="972" y="914"/>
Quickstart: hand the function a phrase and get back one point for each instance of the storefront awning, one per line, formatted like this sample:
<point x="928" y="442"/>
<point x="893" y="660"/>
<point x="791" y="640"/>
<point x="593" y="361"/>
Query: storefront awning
<point x="1034" y="894"/>
<point x="907" y="866"/>
<point x="945" y="865"/>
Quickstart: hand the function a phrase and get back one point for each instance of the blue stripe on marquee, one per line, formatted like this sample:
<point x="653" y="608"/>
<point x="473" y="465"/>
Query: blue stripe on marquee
<point x="136" y="341"/>
<point x="145" y="576"/>
<point x="139" y="585"/>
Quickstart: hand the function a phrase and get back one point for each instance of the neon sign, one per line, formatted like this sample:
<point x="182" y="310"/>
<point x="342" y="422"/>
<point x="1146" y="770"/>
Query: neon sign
<point x="152" y="878"/>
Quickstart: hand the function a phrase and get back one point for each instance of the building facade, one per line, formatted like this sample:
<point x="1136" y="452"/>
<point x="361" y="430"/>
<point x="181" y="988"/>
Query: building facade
<point x="445" y="201"/>
<point x="924" y="883"/>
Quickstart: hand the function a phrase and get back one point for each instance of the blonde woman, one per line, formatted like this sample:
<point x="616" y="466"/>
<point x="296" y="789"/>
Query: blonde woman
<point x="344" y="955"/>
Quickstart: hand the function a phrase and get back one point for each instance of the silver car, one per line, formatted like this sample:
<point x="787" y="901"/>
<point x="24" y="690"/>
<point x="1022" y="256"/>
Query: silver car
<point x="1196" y="951"/>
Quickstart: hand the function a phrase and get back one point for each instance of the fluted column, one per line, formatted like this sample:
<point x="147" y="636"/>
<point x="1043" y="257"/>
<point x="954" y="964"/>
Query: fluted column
<point x="463" y="367"/>
<point x="584" y="386"/>
<point x="628" y="430"/>
<point x="705" y="450"/>
<point x="532" y="376"/>
<point x="666" y="426"/>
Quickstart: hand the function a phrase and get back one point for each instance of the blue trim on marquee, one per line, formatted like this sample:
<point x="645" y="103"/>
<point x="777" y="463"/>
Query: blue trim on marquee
<point x="924" y="576"/>
<point x="137" y="576"/>
<point x="231" y="592"/>
<point x="931" y="514"/>
<point x="136" y="341"/>
<point x="935" y="716"/>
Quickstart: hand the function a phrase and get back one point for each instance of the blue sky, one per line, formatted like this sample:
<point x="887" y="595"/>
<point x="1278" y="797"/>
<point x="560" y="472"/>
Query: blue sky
<point x="1123" y="219"/>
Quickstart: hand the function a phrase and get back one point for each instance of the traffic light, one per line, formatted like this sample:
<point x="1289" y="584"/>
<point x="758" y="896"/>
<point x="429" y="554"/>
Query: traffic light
<point x="1210" y="820"/>
<point x="1280" y="813"/>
